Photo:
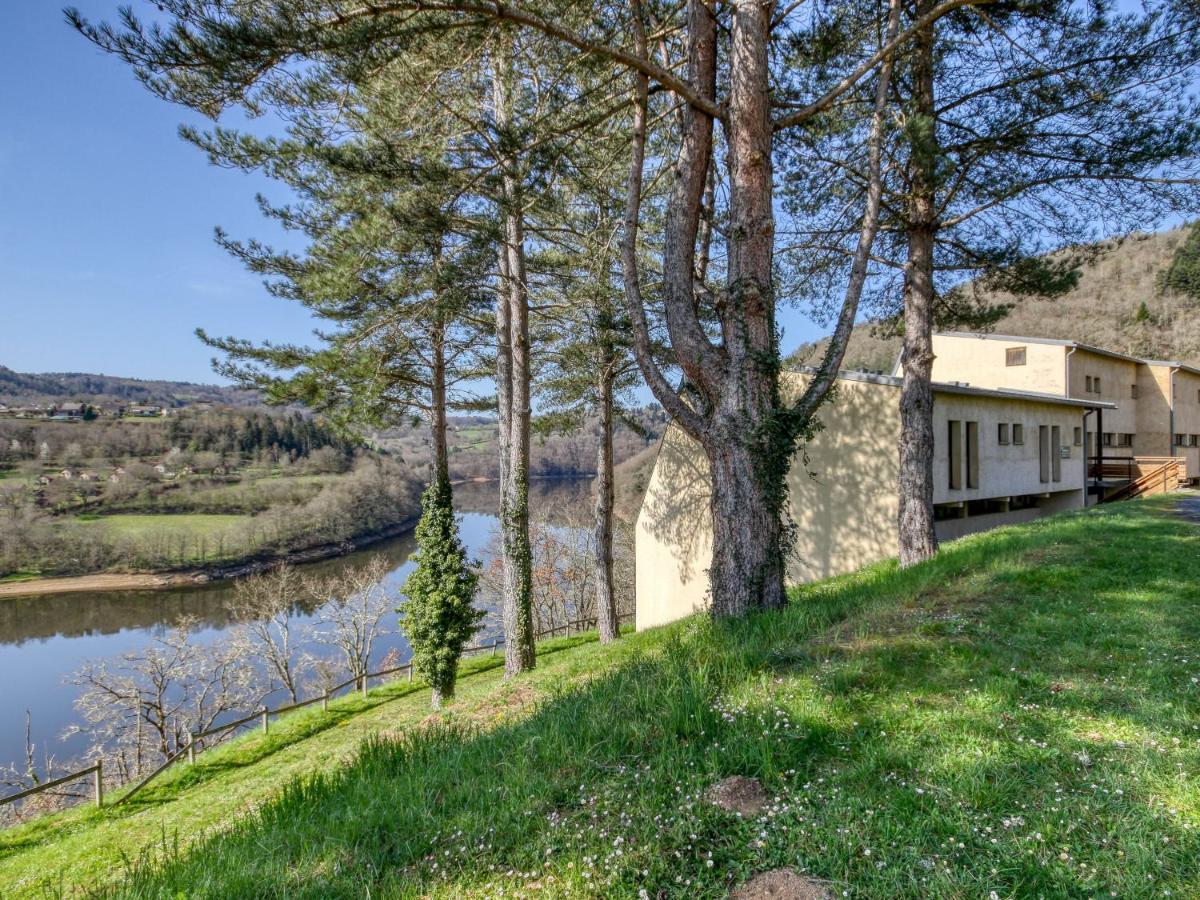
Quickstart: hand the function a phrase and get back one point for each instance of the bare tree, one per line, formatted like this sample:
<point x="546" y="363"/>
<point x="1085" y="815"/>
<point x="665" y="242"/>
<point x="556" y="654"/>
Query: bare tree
<point x="266" y="605"/>
<point x="352" y="619"/>
<point x="142" y="707"/>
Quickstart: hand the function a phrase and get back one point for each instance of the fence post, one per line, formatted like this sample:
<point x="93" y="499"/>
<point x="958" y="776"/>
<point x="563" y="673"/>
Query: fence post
<point x="568" y="627"/>
<point x="191" y="747"/>
<point x="266" y="721"/>
<point x="410" y="673"/>
<point x="364" y="685"/>
<point x="98" y="783"/>
<point x="325" y="702"/>
<point x="495" y="644"/>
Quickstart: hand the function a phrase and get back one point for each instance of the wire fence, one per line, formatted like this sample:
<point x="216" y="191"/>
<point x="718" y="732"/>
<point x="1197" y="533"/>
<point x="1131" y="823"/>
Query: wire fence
<point x="196" y="742"/>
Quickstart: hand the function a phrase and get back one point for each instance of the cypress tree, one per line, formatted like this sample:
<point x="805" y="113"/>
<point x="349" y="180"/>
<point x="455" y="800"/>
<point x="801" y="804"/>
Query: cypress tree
<point x="439" y="617"/>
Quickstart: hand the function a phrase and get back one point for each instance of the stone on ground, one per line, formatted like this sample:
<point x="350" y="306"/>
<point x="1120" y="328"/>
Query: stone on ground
<point x="782" y="884"/>
<point x="738" y="794"/>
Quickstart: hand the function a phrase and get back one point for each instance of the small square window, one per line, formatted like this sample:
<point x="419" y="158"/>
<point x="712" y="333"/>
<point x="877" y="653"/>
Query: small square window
<point x="1014" y="356"/>
<point x="1181" y="440"/>
<point x="1018" y="433"/>
<point x="1110" y="439"/>
<point x="1002" y="433"/>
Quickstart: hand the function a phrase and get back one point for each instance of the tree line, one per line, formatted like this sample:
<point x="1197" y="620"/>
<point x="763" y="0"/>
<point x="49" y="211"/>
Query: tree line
<point x="572" y="199"/>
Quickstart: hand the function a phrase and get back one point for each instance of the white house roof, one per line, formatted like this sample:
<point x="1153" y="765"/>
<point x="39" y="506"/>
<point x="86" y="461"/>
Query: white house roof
<point x="950" y="387"/>
<point x="1174" y="364"/>
<point x="1076" y="345"/>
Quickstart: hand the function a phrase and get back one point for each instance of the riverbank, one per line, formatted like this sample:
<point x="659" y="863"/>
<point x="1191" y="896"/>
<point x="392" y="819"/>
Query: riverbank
<point x="152" y="581"/>
<point x="1013" y="718"/>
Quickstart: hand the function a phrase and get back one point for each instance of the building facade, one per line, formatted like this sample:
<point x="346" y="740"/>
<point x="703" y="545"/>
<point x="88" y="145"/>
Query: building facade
<point x="1157" y="403"/>
<point x="1000" y="457"/>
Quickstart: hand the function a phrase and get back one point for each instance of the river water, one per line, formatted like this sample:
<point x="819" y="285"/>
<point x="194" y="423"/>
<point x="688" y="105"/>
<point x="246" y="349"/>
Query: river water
<point x="43" y="639"/>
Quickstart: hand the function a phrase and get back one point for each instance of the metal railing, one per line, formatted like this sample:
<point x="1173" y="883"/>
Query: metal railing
<point x="195" y="741"/>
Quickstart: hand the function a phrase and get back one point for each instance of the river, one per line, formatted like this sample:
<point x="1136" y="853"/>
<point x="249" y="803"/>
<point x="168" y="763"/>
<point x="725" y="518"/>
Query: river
<point x="43" y="639"/>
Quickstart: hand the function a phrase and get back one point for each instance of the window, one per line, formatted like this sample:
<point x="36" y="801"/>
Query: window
<point x="1096" y="384"/>
<point x="1125" y="440"/>
<point x="1002" y="433"/>
<point x="1196" y="440"/>
<point x="1078" y="435"/>
<point x="1018" y="433"/>
<point x="1181" y="440"/>
<point x="955" y="447"/>
<point x="1043" y="453"/>
<point x="1055" y="453"/>
<point x="1133" y="393"/>
<point x="1087" y="384"/>
<point x="972" y="454"/>
<point x="1014" y="356"/>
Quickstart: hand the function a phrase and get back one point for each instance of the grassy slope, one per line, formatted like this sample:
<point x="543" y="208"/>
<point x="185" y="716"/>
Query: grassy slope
<point x="1017" y="716"/>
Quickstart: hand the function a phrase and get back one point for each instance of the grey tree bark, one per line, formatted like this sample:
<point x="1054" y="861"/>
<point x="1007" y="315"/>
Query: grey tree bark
<point x="606" y="600"/>
<point x="513" y="391"/>
<point x="917" y="537"/>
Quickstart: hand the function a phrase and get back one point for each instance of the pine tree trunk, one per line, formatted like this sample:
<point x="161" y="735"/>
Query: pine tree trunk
<point x="748" y="456"/>
<point x="917" y="537"/>
<point x="441" y="456"/>
<point x="513" y="386"/>
<point x="606" y="600"/>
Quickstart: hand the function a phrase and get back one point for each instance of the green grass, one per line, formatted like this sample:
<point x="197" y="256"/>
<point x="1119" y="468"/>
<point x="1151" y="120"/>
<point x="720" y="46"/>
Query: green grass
<point x="1018" y="716"/>
<point x="192" y="525"/>
<point x="13" y="577"/>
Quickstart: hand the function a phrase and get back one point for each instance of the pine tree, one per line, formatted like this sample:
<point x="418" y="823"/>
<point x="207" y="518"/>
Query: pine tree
<point x="439" y="617"/>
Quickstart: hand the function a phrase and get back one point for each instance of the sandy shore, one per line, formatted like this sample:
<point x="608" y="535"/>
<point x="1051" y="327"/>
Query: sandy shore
<point x="115" y="582"/>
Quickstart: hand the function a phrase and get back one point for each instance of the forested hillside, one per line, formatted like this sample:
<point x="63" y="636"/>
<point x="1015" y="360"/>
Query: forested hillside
<point x="1120" y="303"/>
<point x="20" y="387"/>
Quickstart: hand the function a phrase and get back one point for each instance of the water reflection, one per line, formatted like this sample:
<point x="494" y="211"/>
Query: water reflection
<point x="44" y="639"/>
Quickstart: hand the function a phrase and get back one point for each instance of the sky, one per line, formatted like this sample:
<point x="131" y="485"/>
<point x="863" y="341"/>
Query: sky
<point x="107" y="262"/>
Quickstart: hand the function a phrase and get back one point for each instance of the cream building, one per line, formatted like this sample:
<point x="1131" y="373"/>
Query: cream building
<point x="1000" y="456"/>
<point x="1157" y="410"/>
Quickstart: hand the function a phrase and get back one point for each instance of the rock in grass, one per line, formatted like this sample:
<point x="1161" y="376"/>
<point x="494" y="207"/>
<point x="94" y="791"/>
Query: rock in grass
<point x="738" y="794"/>
<point x="782" y="884"/>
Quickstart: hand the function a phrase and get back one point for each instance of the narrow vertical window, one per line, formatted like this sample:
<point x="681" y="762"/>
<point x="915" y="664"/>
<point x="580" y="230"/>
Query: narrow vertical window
<point x="972" y="454"/>
<point x="1078" y="436"/>
<point x="1044" y="453"/>
<point x="1002" y="433"/>
<point x="1055" y="453"/>
<point x="1018" y="433"/>
<point x="955" y="454"/>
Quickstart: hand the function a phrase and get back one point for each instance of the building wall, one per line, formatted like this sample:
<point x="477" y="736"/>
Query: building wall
<point x="1187" y="417"/>
<point x="981" y="362"/>
<point x="1116" y="376"/>
<point x="1153" y="411"/>
<point x="843" y="492"/>
<point x="1012" y="469"/>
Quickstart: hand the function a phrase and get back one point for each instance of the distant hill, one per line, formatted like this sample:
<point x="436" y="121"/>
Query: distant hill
<point x="18" y="388"/>
<point x="1105" y="310"/>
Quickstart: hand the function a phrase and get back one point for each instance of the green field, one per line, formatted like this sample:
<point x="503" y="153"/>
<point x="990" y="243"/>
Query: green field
<point x="1018" y="718"/>
<point x="190" y="525"/>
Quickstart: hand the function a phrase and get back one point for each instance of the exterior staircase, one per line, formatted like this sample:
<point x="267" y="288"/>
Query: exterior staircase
<point x="1143" y="476"/>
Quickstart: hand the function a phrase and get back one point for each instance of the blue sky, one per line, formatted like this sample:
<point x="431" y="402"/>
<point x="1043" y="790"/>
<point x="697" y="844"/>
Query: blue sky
<point x="107" y="262"/>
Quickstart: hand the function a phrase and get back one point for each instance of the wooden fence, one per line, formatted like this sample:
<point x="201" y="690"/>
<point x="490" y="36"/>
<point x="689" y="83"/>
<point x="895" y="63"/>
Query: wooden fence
<point x="195" y="743"/>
